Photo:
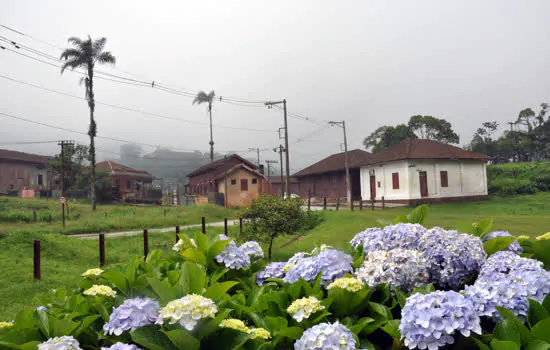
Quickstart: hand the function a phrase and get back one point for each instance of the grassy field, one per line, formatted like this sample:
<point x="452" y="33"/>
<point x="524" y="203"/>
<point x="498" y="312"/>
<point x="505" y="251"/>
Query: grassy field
<point x="65" y="258"/>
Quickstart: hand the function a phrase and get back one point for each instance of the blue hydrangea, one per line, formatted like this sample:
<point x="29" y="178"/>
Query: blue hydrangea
<point x="122" y="346"/>
<point x="41" y="308"/>
<point x="233" y="257"/>
<point x="334" y="264"/>
<point x="504" y="262"/>
<point x="297" y="257"/>
<point x="454" y="258"/>
<point x="273" y="270"/>
<point x="132" y="314"/>
<point x="252" y="249"/>
<point x="306" y="268"/>
<point x="513" y="247"/>
<point x="431" y="320"/>
<point x="326" y="336"/>
<point x="60" y="343"/>
<point x="402" y="268"/>
<point x="405" y="236"/>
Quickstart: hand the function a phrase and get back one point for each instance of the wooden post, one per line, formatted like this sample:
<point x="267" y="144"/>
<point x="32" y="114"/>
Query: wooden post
<point x="36" y="259"/>
<point x="308" y="200"/>
<point x="63" y="213"/>
<point x="360" y="203"/>
<point x="351" y="205"/>
<point x="34" y="218"/>
<point x="338" y="203"/>
<point x="145" y="243"/>
<point x="177" y="233"/>
<point x="225" y="226"/>
<point x="101" y="249"/>
<point x="324" y="203"/>
<point x="240" y="225"/>
<point x="203" y="223"/>
<point x="372" y="203"/>
<point x="383" y="203"/>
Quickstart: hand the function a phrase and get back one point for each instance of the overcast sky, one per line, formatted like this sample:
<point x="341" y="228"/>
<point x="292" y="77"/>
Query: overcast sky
<point x="369" y="63"/>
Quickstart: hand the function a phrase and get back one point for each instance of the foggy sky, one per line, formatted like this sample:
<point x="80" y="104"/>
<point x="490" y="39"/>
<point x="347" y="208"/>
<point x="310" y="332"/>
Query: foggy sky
<point x="369" y="63"/>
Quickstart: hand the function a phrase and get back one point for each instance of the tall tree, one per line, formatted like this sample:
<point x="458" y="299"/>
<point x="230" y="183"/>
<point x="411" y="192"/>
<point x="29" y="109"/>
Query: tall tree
<point x="75" y="158"/>
<point x="428" y="127"/>
<point x="85" y="54"/>
<point x="387" y="136"/>
<point x="203" y="97"/>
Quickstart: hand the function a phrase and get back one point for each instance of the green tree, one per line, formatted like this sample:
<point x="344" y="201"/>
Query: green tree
<point x="428" y="127"/>
<point x="387" y="136"/>
<point x="76" y="157"/>
<point x="86" y="54"/>
<point x="203" y="97"/>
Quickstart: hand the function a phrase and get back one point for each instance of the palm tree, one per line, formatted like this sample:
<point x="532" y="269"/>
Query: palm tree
<point x="85" y="54"/>
<point x="202" y="97"/>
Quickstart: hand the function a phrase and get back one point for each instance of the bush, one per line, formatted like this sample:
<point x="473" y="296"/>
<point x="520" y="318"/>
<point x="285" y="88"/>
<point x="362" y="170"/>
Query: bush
<point x="512" y="187"/>
<point x="519" y="178"/>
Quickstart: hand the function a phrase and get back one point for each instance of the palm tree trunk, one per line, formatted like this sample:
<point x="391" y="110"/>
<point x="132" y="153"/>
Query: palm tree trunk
<point x="92" y="132"/>
<point x="211" y="134"/>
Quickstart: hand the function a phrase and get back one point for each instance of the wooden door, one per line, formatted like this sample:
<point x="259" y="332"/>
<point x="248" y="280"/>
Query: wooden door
<point x="372" y="186"/>
<point x="423" y="177"/>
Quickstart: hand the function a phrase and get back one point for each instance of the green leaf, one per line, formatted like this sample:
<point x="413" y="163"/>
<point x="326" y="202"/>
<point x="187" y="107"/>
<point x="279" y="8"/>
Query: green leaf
<point x="182" y="339"/>
<point x="195" y="255"/>
<point x="504" y="345"/>
<point x="26" y="317"/>
<point x="541" y="330"/>
<point x="164" y="291"/>
<point x="541" y="249"/>
<point x="64" y="327"/>
<point x="538" y="345"/>
<point x="506" y="330"/>
<point x="464" y="227"/>
<point x="512" y="324"/>
<point x="497" y="244"/>
<point x="44" y="324"/>
<point x="481" y="345"/>
<point x="118" y="280"/>
<point x="536" y="313"/>
<point x="392" y="328"/>
<point x="202" y="241"/>
<point x="218" y="290"/>
<point x="482" y="228"/>
<point x="216" y="248"/>
<point x="360" y="324"/>
<point x="100" y="308"/>
<point x="290" y="332"/>
<point x="152" y="338"/>
<point x="84" y="324"/>
<point x="192" y="279"/>
<point x="211" y="325"/>
<point x="274" y="324"/>
<point x="546" y="303"/>
<point x="401" y="297"/>
<point x="419" y="214"/>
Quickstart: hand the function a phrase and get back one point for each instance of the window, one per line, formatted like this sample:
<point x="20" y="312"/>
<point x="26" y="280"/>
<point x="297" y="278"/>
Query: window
<point x="233" y="181"/>
<point x="129" y="184"/>
<point x="117" y="183"/>
<point x="244" y="184"/>
<point x="40" y="179"/>
<point x="254" y="181"/>
<point x="395" y="180"/>
<point x="444" y="178"/>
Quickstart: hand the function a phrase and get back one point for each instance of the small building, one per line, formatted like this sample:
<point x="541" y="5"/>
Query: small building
<point x="24" y="171"/>
<point x="273" y="186"/>
<point x="129" y="184"/>
<point x="419" y="171"/>
<point x="232" y="181"/>
<point x="327" y="177"/>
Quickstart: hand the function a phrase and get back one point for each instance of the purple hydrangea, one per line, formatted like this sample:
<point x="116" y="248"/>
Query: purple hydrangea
<point x="233" y="257"/>
<point x="454" y="258"/>
<point x="41" y="308"/>
<point x="431" y="320"/>
<point x="252" y="249"/>
<point x="334" y="264"/>
<point x="402" y="268"/>
<point x="132" y="314"/>
<point x="66" y="342"/>
<point x="513" y="247"/>
<point x="273" y="270"/>
<point x="504" y="262"/>
<point x="405" y="236"/>
<point x="326" y="336"/>
<point x="306" y="268"/>
<point x="122" y="346"/>
<point x="297" y="257"/>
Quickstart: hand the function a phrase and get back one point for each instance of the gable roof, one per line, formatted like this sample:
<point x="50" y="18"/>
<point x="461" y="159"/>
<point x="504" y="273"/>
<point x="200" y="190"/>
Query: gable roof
<point x="118" y="169"/>
<point x="423" y="149"/>
<point x="234" y="168"/>
<point x="223" y="163"/>
<point x="6" y="154"/>
<point x="276" y="179"/>
<point x="336" y="162"/>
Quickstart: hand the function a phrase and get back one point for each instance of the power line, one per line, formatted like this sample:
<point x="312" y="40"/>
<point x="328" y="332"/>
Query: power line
<point x="26" y="143"/>
<point x="311" y="134"/>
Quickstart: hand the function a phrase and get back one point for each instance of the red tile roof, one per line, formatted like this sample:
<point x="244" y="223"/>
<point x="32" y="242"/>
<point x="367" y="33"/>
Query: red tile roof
<point x="119" y="169"/>
<point x="221" y="164"/>
<point x="234" y="168"/>
<point x="24" y="157"/>
<point x="423" y="149"/>
<point x="336" y="162"/>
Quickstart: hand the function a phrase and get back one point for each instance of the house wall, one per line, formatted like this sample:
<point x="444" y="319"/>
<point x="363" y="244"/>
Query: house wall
<point x="330" y="184"/>
<point x="18" y="175"/>
<point x="131" y="192"/>
<point x="236" y="197"/>
<point x="465" y="179"/>
<point x="275" y="188"/>
<point x="200" y="184"/>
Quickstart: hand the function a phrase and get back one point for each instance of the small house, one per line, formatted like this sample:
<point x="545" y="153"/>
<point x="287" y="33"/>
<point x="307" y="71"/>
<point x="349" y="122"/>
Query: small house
<point x="129" y="184"/>
<point x="23" y="171"/>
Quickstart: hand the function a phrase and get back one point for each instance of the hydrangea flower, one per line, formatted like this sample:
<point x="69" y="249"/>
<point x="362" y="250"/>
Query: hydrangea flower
<point x="233" y="257"/>
<point x="92" y="272"/>
<point x="431" y="320"/>
<point x="132" y="314"/>
<point x="544" y="237"/>
<point x="453" y="258"/>
<point x="6" y="324"/>
<point x="187" y="311"/>
<point x="41" y="308"/>
<point x="514" y="247"/>
<point x="334" y="264"/>
<point x="223" y="237"/>
<point x="181" y="245"/>
<point x="510" y="290"/>
<point x="326" y="336"/>
<point x="404" y="235"/>
<point x="373" y="235"/>
<point x="100" y="290"/>
<point x="235" y="324"/>
<point x="259" y="333"/>
<point x="273" y="270"/>
<point x="252" y="249"/>
<point x="295" y="259"/>
<point x="60" y="343"/>
<point x="504" y="262"/>
<point x="401" y="268"/>
<point x="301" y="309"/>
<point x="307" y="269"/>
<point x="348" y="283"/>
<point x="122" y="346"/>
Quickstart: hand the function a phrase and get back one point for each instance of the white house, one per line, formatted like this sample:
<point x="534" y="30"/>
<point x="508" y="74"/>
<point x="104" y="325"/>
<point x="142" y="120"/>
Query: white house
<point x="419" y="171"/>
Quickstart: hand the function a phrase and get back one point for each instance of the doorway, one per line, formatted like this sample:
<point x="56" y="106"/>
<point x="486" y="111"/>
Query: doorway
<point x="423" y="177"/>
<point x="372" y="186"/>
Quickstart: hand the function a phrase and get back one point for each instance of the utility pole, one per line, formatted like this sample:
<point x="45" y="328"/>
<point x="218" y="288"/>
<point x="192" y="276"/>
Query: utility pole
<point x="513" y="141"/>
<point x="348" y="184"/>
<point x="281" y="149"/>
<point x="269" y="104"/>
<point x="258" y="152"/>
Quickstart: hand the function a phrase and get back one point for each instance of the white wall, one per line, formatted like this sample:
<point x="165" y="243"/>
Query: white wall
<point x="465" y="178"/>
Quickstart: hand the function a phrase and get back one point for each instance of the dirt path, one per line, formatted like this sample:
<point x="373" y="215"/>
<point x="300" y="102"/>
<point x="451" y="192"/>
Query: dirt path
<point x="167" y="229"/>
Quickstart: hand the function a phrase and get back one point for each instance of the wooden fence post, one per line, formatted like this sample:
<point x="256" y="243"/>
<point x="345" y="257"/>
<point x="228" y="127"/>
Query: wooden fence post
<point x="241" y="225"/>
<point x="101" y="250"/>
<point x="351" y="203"/>
<point x="225" y="226"/>
<point x="203" y="224"/>
<point x="36" y="259"/>
<point x="308" y="200"/>
<point x="372" y="203"/>
<point x="383" y="203"/>
<point x="324" y="203"/>
<point x="145" y="243"/>
<point x="177" y="233"/>
<point x="338" y="203"/>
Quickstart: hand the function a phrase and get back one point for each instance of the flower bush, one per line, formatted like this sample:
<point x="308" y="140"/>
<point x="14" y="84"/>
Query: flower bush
<point x="401" y="286"/>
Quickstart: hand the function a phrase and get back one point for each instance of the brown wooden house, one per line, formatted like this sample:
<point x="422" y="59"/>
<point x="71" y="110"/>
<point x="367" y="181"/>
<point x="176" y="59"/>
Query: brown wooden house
<point x="128" y="183"/>
<point x="232" y="181"/>
<point x="19" y="171"/>
<point x="327" y="177"/>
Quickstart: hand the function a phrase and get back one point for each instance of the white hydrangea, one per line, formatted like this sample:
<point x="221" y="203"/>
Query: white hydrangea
<point x="301" y="309"/>
<point x="187" y="311"/>
<point x="60" y="343"/>
<point x="180" y="245"/>
<point x="348" y="283"/>
<point x="100" y="290"/>
<point x="92" y="272"/>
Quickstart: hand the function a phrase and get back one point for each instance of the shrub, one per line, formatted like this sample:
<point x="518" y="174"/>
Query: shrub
<point x="512" y="187"/>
